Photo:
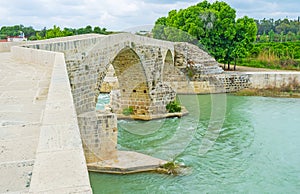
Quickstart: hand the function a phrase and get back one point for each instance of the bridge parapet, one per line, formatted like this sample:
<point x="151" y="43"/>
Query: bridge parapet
<point x="60" y="165"/>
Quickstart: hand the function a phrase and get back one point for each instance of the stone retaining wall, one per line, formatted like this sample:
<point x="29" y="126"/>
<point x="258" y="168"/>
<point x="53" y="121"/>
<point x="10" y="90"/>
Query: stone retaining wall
<point x="218" y="83"/>
<point x="260" y="80"/>
<point x="232" y="82"/>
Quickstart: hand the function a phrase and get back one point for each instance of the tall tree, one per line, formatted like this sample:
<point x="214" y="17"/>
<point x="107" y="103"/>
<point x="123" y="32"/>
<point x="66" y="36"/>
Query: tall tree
<point x="246" y="30"/>
<point x="213" y="25"/>
<point x="55" y="32"/>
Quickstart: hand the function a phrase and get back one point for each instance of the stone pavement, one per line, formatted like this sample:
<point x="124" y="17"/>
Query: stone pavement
<point x="23" y="94"/>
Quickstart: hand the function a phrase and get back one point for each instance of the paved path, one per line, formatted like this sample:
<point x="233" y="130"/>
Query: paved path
<point x="23" y="93"/>
<point x="254" y="69"/>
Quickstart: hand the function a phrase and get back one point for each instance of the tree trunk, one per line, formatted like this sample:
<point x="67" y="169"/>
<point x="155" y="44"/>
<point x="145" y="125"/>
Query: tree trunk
<point x="224" y="66"/>
<point x="228" y="64"/>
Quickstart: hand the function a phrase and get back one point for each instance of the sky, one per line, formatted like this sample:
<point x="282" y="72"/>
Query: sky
<point x="124" y="14"/>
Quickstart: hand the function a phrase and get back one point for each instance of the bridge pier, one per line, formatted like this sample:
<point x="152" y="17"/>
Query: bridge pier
<point x="99" y="135"/>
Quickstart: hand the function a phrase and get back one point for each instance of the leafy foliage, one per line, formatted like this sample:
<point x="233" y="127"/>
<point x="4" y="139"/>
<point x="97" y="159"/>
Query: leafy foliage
<point x="212" y="25"/>
<point x="169" y="168"/>
<point x="281" y="30"/>
<point x="16" y="30"/>
<point x="128" y="111"/>
<point x="172" y="34"/>
<point x="173" y="106"/>
<point x="45" y="33"/>
<point x="274" y="55"/>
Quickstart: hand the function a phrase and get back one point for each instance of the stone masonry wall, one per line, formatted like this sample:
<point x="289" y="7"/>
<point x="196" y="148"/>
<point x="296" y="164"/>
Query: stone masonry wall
<point x="232" y="82"/>
<point x="110" y="82"/>
<point x="218" y="83"/>
<point x="260" y="80"/>
<point x="187" y="55"/>
<point x="134" y="90"/>
<point x="99" y="136"/>
<point x="88" y="58"/>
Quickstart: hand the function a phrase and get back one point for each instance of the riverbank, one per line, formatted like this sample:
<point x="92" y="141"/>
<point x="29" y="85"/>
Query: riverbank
<point x="256" y="69"/>
<point x="269" y="92"/>
<point x="291" y="90"/>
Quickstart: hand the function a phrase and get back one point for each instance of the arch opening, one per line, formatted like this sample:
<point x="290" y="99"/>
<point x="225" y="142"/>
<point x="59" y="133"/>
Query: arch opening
<point x="127" y="84"/>
<point x="173" y="75"/>
<point x="168" y="68"/>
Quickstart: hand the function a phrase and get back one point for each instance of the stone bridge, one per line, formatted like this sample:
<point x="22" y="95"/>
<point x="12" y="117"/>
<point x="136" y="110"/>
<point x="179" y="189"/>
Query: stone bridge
<point x="147" y="71"/>
<point x="141" y="64"/>
<point x="67" y="75"/>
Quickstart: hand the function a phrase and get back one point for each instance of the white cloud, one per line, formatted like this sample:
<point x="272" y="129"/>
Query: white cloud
<point x="122" y="14"/>
<point x="266" y="8"/>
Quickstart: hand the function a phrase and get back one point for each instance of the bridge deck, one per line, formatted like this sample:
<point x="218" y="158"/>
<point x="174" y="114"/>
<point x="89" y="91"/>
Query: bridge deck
<point x="23" y="93"/>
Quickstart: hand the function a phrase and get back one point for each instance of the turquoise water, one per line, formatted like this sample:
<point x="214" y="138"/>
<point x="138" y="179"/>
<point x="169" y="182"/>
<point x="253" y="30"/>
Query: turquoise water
<point x="103" y="99"/>
<point x="229" y="144"/>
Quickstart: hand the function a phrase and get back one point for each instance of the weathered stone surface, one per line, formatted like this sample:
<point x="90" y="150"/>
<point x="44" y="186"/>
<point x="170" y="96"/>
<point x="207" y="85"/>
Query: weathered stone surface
<point x="193" y="61"/>
<point x="186" y="53"/>
<point x="232" y="82"/>
<point x="127" y="162"/>
<point x="46" y="112"/>
<point x="137" y="61"/>
<point x="99" y="135"/>
<point x="59" y="165"/>
<point x="262" y="80"/>
<point x="21" y="109"/>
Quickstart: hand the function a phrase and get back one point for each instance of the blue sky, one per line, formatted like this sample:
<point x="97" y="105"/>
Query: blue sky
<point x="123" y="14"/>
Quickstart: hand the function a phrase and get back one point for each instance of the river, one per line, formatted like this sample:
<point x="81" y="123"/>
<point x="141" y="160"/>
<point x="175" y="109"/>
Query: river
<point x="229" y="144"/>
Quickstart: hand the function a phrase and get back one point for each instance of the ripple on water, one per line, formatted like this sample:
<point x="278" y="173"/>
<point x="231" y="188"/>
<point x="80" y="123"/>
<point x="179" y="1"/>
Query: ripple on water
<point x="256" y="150"/>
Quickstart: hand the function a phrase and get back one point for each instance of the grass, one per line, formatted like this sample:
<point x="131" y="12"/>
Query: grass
<point x="269" y="92"/>
<point x="286" y="64"/>
<point x="271" y="55"/>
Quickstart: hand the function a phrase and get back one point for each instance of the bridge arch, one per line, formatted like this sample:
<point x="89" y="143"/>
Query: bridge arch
<point x="168" y="66"/>
<point x="133" y="91"/>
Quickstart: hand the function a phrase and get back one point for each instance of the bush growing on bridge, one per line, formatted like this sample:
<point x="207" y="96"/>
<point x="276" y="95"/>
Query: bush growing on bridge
<point x="128" y="111"/>
<point x="173" y="106"/>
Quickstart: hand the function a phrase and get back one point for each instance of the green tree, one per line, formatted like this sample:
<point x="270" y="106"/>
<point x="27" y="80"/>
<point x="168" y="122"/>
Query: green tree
<point x="55" y="32"/>
<point x="12" y="30"/>
<point x="172" y="34"/>
<point x="271" y="35"/>
<point x="69" y="31"/>
<point x="246" y="30"/>
<point x="264" y="38"/>
<point x="265" y="26"/>
<point x="88" y="29"/>
<point x="97" y="30"/>
<point x="212" y="24"/>
<point x="41" y="34"/>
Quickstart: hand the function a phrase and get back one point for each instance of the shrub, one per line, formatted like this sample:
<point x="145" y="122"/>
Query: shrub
<point x="173" y="106"/>
<point x="128" y="111"/>
<point x="169" y="168"/>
